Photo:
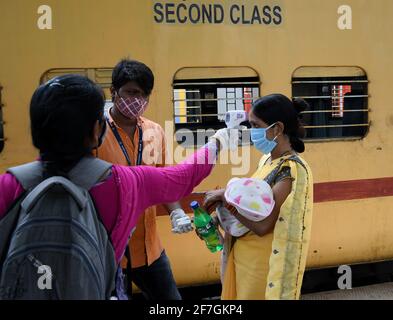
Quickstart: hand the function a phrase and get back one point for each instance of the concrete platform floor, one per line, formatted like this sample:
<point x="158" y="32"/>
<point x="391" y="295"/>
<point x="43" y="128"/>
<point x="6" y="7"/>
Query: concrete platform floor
<point x="383" y="291"/>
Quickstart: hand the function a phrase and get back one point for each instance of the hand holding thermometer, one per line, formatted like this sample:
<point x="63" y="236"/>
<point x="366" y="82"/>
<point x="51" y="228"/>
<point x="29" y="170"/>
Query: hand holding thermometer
<point x="230" y="137"/>
<point x="234" y="118"/>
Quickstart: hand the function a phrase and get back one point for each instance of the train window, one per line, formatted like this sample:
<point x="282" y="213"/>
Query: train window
<point x="101" y="76"/>
<point x="202" y="96"/>
<point x="2" y="139"/>
<point x="338" y="98"/>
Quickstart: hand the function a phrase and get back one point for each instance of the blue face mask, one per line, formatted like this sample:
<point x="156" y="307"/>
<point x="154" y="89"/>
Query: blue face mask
<point x="261" y="142"/>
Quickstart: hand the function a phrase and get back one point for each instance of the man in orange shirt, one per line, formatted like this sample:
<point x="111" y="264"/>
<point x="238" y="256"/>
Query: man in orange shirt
<point x="134" y="140"/>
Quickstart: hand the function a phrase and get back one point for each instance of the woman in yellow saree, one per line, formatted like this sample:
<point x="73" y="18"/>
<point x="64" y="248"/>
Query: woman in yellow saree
<point x="268" y="262"/>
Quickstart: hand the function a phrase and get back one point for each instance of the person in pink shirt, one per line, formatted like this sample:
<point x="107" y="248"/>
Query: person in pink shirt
<point x="67" y="124"/>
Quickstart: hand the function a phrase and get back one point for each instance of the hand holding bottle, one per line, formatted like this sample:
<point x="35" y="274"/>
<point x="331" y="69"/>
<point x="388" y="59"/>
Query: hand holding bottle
<point x="206" y="229"/>
<point x="181" y="222"/>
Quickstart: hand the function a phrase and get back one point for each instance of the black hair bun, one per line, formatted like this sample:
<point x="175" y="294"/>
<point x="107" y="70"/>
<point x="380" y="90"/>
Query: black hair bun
<point x="297" y="144"/>
<point x="300" y="105"/>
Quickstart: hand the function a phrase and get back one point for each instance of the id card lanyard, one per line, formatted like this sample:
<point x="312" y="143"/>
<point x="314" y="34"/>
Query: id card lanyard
<point x="121" y="144"/>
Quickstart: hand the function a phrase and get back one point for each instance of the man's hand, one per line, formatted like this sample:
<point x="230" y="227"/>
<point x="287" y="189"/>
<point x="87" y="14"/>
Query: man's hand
<point x="181" y="222"/>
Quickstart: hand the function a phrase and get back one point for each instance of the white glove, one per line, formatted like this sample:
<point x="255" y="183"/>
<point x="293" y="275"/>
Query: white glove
<point x="181" y="223"/>
<point x="229" y="138"/>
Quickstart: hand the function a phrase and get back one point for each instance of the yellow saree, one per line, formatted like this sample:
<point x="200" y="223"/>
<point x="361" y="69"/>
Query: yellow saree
<point x="272" y="267"/>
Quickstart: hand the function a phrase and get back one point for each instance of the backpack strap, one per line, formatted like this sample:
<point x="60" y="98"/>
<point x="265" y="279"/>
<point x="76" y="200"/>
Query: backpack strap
<point x="28" y="175"/>
<point x="85" y="174"/>
<point x="89" y="171"/>
<point x="37" y="192"/>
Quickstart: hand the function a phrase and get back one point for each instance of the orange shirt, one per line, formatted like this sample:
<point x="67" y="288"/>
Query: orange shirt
<point x="145" y="244"/>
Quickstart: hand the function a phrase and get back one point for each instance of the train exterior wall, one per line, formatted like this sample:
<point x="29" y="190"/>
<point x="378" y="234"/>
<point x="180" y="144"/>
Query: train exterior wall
<point x="93" y="34"/>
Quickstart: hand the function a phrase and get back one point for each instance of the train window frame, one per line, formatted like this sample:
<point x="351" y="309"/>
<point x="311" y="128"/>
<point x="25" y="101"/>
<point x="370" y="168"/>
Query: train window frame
<point x="210" y="92"/>
<point x="101" y="76"/>
<point x="339" y="82"/>
<point x="2" y="123"/>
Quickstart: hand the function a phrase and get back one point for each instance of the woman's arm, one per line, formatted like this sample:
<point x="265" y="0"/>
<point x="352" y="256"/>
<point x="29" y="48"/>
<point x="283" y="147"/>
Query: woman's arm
<point x="141" y="187"/>
<point x="145" y="186"/>
<point x="170" y="184"/>
<point x="10" y="190"/>
<point x="280" y="191"/>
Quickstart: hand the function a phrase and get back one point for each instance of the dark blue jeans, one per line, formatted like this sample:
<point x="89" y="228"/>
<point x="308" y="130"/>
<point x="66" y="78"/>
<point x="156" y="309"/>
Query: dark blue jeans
<point x="156" y="281"/>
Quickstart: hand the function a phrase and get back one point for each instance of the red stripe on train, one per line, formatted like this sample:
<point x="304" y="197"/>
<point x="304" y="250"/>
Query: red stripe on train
<point x="325" y="192"/>
<point x="353" y="190"/>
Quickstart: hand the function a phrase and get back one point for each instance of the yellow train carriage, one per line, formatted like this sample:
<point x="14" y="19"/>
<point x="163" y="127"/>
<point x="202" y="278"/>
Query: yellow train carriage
<point x="212" y="56"/>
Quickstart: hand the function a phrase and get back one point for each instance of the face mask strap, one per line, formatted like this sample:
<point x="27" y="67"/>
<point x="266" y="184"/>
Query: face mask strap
<point x="272" y="126"/>
<point x="117" y="94"/>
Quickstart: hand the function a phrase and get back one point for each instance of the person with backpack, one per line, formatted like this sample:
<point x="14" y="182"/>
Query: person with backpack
<point x="267" y="259"/>
<point x="65" y="219"/>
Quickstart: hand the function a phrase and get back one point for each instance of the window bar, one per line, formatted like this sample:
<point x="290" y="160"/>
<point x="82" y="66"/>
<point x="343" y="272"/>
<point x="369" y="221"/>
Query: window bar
<point x="186" y="130"/>
<point x="216" y="99"/>
<point x="338" y="126"/>
<point x="330" y="97"/>
<point x="215" y="83"/>
<point x="330" y="81"/>
<point x="330" y="111"/>
<point x="199" y="115"/>
<point x="188" y="107"/>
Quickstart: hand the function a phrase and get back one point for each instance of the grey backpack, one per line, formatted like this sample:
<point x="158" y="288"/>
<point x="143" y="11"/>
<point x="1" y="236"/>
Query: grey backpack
<point x="52" y="242"/>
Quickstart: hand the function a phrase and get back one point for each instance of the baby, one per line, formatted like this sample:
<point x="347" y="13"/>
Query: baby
<point x="252" y="198"/>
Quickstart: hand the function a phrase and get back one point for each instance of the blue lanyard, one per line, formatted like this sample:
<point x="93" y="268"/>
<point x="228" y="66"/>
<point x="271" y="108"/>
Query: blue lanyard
<point x="121" y="144"/>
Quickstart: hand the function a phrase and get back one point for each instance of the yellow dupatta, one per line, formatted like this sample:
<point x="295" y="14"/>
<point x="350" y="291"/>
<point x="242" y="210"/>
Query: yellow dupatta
<point x="272" y="267"/>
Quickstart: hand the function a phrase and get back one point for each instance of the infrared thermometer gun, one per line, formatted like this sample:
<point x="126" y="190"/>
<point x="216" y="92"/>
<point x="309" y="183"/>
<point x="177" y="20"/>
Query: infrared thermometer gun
<point x="234" y="118"/>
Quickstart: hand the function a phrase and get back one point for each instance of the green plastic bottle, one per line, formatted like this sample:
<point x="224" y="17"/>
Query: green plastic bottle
<point x="205" y="228"/>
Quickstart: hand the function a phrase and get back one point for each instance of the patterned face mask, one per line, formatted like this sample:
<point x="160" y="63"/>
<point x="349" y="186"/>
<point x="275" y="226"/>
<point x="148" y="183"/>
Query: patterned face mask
<point x="131" y="107"/>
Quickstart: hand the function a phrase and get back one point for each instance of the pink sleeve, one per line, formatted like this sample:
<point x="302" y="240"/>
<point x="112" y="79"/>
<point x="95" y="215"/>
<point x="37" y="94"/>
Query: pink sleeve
<point x="143" y="186"/>
<point x="169" y="184"/>
<point x="10" y="190"/>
